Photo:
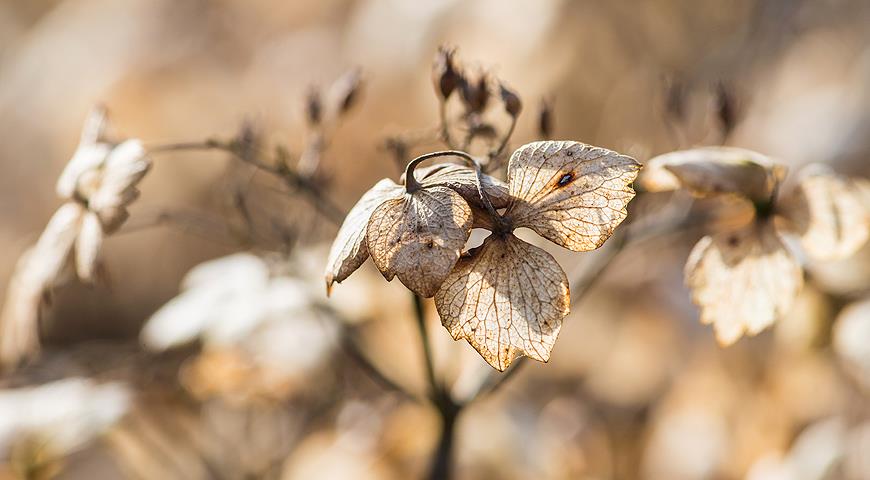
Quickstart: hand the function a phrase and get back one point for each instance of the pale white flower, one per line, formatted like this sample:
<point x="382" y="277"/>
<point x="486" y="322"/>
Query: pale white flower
<point x="237" y="303"/>
<point x="852" y="340"/>
<point x="98" y="184"/>
<point x="63" y="415"/>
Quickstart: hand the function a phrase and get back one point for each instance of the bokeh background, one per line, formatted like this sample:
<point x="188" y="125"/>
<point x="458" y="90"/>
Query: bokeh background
<point x="635" y="389"/>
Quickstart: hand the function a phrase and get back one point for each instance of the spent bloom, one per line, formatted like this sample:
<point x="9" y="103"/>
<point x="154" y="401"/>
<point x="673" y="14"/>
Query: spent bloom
<point x="63" y="415"/>
<point x="743" y="279"/>
<point x="97" y="186"/>
<point x="506" y="297"/>
<point x="249" y="316"/>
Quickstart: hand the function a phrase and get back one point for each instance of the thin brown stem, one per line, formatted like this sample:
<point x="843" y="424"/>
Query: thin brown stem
<point x="355" y="352"/>
<point x="420" y="316"/>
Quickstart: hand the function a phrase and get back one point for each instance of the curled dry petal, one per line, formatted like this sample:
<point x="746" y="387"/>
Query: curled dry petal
<point x="570" y="193"/>
<point x="714" y="170"/>
<point x="829" y="214"/>
<point x="505" y="298"/>
<point x="742" y="280"/>
<point x="349" y="250"/>
<point x="463" y="180"/>
<point x="87" y="247"/>
<point x="89" y="155"/>
<point x="124" y="168"/>
<point x="419" y="236"/>
<point x="35" y="274"/>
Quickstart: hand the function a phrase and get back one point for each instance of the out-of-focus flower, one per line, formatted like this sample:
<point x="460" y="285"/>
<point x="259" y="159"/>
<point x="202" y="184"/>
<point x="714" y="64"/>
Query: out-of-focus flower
<point x="260" y="329"/>
<point x="98" y="184"/>
<point x="812" y="457"/>
<point x="63" y="415"/>
<point x="745" y="278"/>
<point x="852" y="340"/>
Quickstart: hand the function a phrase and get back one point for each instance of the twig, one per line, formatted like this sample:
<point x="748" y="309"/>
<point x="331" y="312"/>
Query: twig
<point x="420" y="315"/>
<point x="353" y="350"/>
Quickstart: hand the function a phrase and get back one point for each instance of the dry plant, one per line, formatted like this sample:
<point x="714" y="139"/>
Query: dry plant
<point x="506" y="297"/>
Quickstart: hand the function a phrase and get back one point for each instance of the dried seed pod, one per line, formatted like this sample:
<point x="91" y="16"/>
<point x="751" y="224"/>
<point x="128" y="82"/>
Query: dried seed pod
<point x="444" y="73"/>
<point x="475" y="93"/>
<point x="545" y="118"/>
<point x="726" y="108"/>
<point x="346" y="89"/>
<point x="313" y="107"/>
<point x="512" y="104"/>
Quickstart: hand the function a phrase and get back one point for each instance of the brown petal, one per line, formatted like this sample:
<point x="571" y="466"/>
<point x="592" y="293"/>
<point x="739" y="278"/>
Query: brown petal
<point x="463" y="180"/>
<point x="419" y="237"/>
<point x="505" y="298"/>
<point x="571" y="193"/>
<point x="349" y="250"/>
<point x="712" y="171"/>
<point x="742" y="280"/>
<point x="830" y="215"/>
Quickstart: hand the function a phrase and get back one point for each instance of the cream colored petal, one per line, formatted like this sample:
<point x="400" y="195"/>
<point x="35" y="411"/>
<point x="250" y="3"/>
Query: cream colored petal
<point x="419" y="237"/>
<point x="506" y="298"/>
<point x="571" y="193"/>
<point x="349" y="249"/>
<point x="463" y="180"/>
<point x="35" y="274"/>
<point x="123" y="170"/>
<point x="89" y="155"/>
<point x="713" y="170"/>
<point x="742" y="280"/>
<point x="830" y="215"/>
<point x="87" y="247"/>
<point x="851" y="340"/>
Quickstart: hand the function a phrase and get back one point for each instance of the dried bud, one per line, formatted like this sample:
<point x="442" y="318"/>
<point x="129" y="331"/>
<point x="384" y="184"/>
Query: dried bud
<point x="313" y="107"/>
<point x="726" y="108"/>
<point x="545" y="118"/>
<point x="512" y="104"/>
<point x="444" y="72"/>
<point x="675" y="98"/>
<point x="475" y="93"/>
<point x="347" y="89"/>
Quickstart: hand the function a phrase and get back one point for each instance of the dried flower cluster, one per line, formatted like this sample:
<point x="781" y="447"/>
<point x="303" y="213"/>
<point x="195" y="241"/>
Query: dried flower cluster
<point x="97" y="186"/>
<point x="745" y="278"/>
<point x="506" y="297"/>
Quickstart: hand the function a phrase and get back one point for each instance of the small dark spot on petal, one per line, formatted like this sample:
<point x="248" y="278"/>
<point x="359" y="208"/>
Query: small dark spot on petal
<point x="566" y="179"/>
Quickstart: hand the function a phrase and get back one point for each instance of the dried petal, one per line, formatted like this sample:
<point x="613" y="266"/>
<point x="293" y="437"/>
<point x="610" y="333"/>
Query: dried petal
<point x="505" y="298"/>
<point x="829" y="213"/>
<point x="571" y="193"/>
<point x="463" y="180"/>
<point x="743" y="280"/>
<point x="714" y="170"/>
<point x="444" y="72"/>
<point x="124" y="169"/>
<point x="349" y="250"/>
<point x="87" y="247"/>
<point x="35" y="274"/>
<point x="419" y="237"/>
<point x="89" y="155"/>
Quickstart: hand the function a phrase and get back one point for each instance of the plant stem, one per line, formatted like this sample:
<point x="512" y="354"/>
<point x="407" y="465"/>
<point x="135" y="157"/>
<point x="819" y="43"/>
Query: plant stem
<point x="420" y="315"/>
<point x="441" y="467"/>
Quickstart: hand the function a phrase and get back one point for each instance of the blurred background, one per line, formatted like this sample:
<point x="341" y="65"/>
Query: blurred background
<point x="635" y="389"/>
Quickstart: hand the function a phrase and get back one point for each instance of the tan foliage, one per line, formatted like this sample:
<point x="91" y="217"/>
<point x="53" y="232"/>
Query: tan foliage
<point x="506" y="298"/>
<point x="570" y="193"/>
<point x="742" y="280"/>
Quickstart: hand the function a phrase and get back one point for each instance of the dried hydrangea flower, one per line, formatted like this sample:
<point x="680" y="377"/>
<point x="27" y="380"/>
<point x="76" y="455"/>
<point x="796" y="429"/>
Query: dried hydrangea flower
<point x="508" y="297"/>
<point x="401" y="225"/>
<point x="744" y="279"/>
<point x="98" y="184"/>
